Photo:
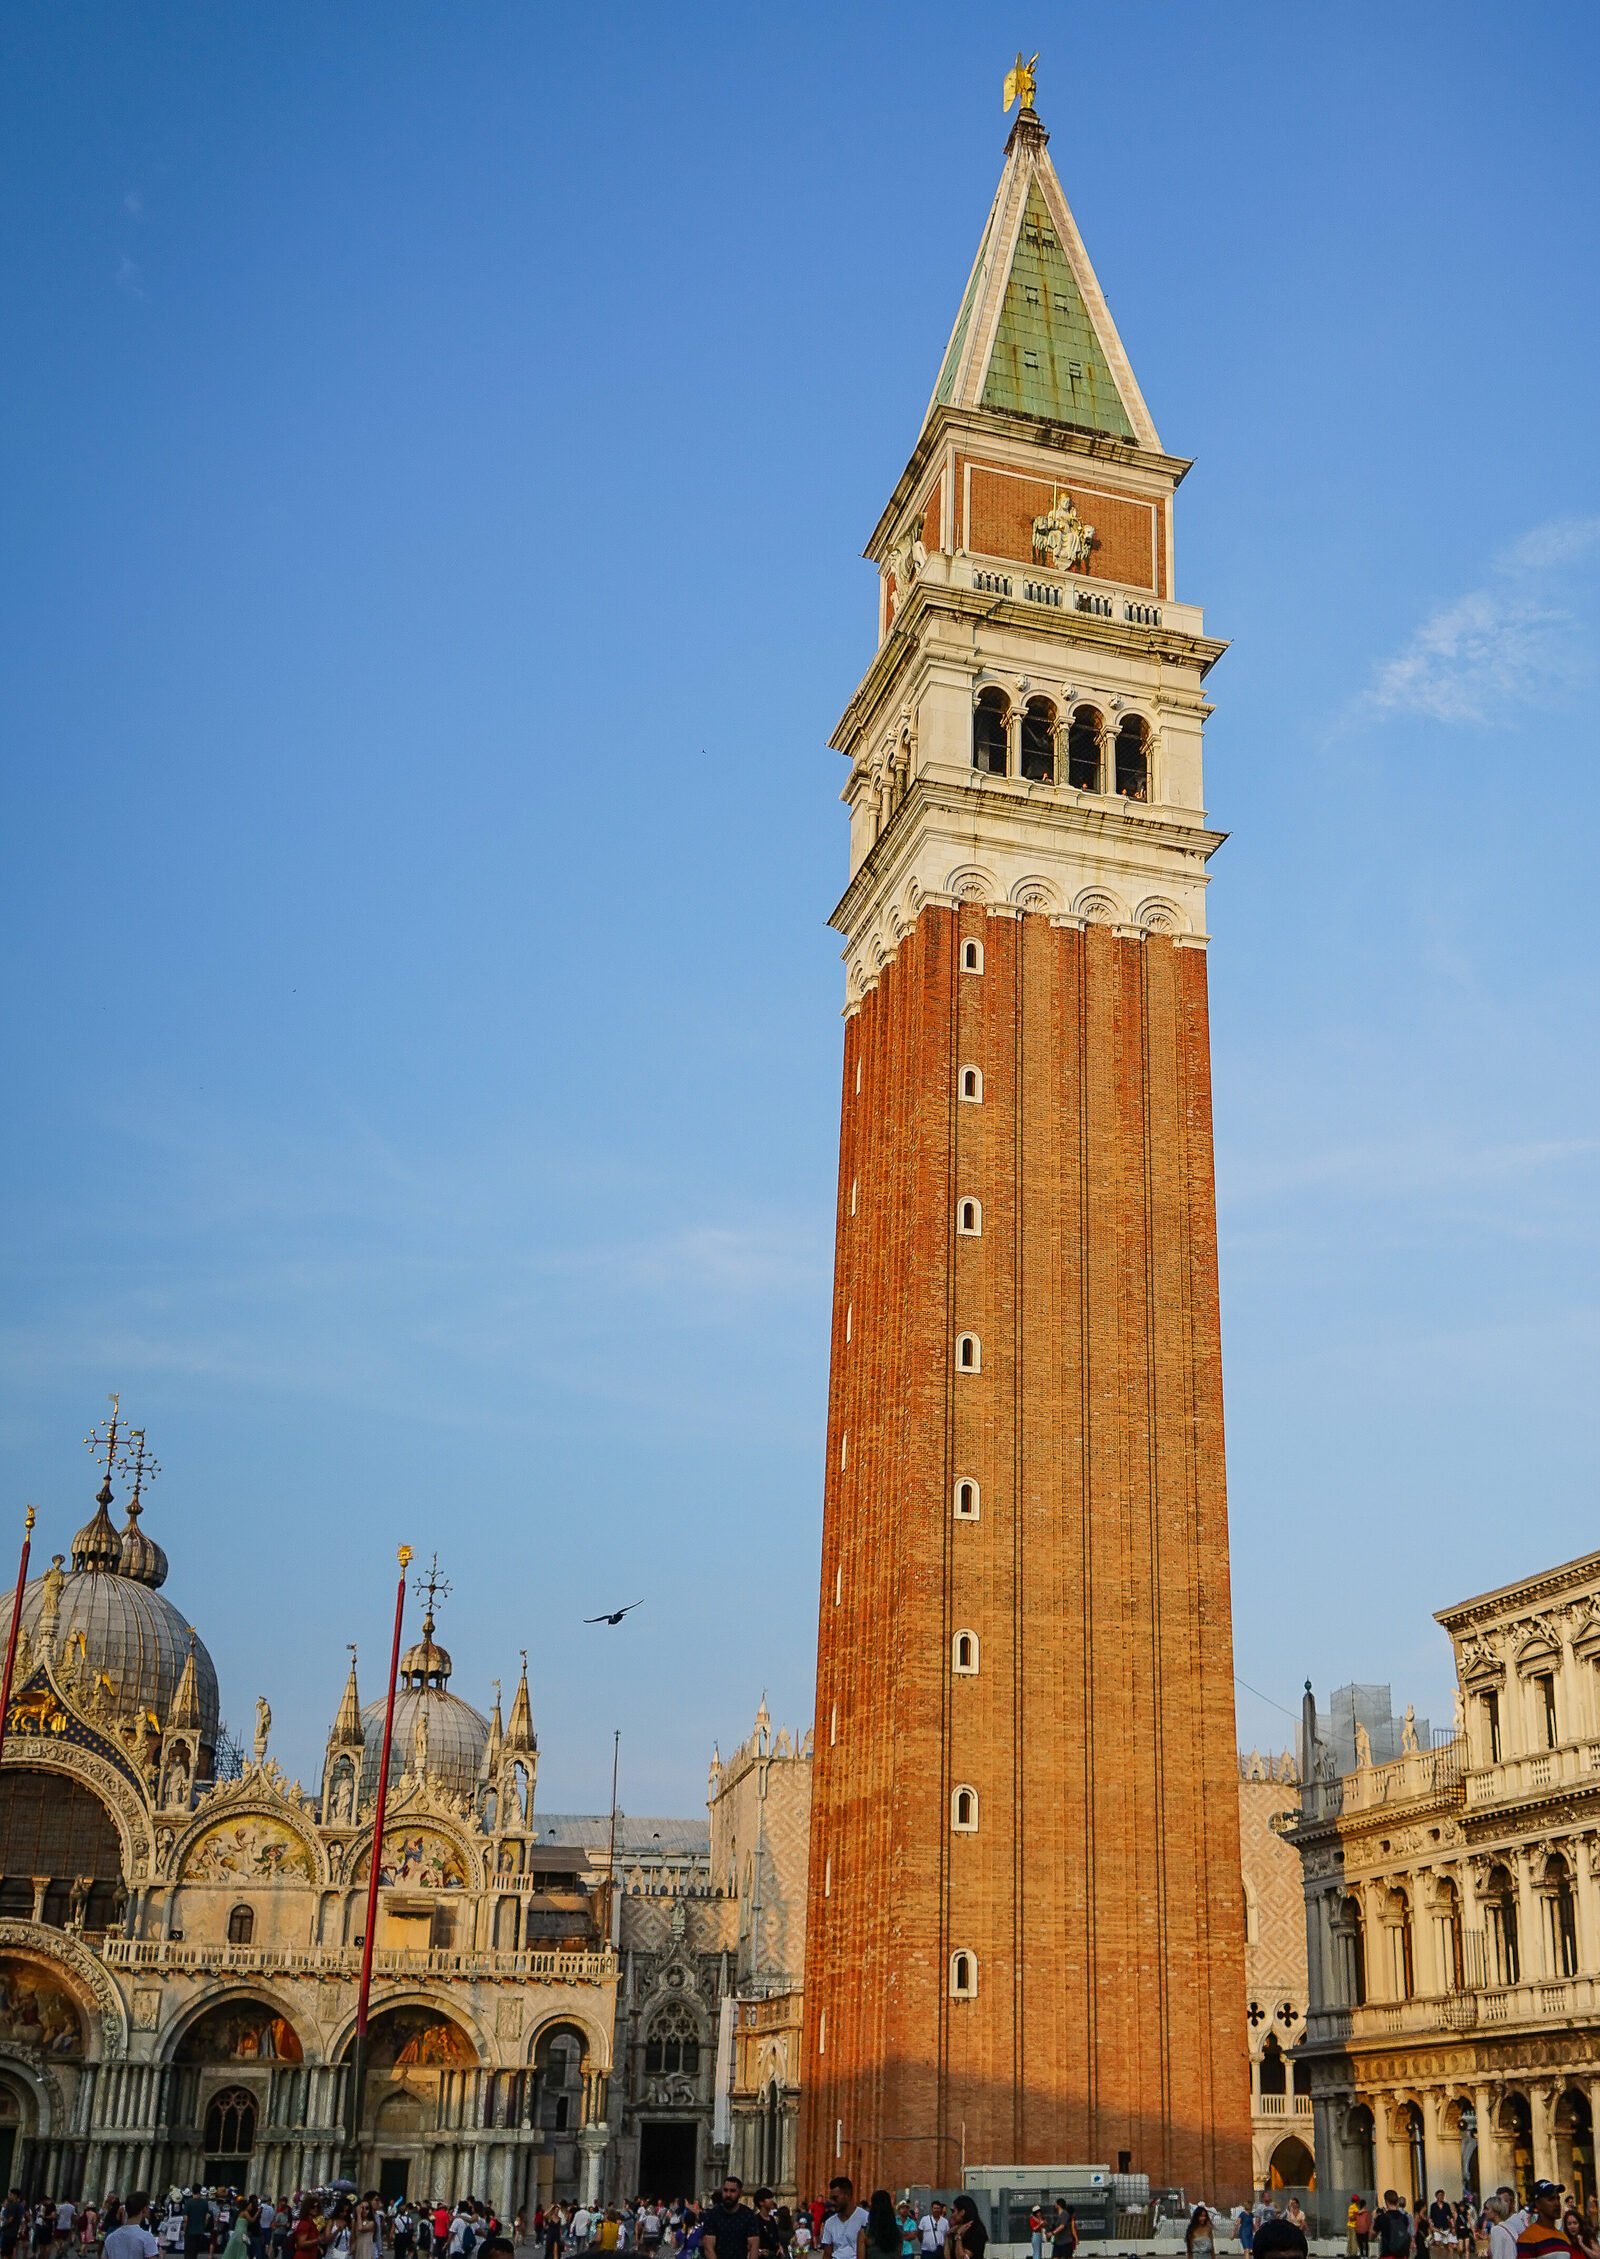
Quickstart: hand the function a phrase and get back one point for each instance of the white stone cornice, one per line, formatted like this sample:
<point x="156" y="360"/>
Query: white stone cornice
<point x="978" y="840"/>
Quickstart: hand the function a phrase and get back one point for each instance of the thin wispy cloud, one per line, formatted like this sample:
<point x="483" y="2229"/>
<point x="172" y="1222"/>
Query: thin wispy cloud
<point x="133" y="204"/>
<point x="1424" y="1163"/>
<point x="1519" y="638"/>
<point x="130" y="278"/>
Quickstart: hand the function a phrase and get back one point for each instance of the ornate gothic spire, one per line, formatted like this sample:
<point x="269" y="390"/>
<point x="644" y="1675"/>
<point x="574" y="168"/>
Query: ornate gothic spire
<point x="519" y="1734"/>
<point x="184" y="1716"/>
<point x="497" y="1735"/>
<point x="347" y="1732"/>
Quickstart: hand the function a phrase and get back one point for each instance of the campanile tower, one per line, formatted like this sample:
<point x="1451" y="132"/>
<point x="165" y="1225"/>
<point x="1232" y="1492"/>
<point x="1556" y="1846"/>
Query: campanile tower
<point x="1025" y="1937"/>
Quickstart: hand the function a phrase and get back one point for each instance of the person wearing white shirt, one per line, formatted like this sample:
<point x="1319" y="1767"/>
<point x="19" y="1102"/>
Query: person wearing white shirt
<point x="133" y="2239"/>
<point x="844" y="2223"/>
<point x="935" y="2227"/>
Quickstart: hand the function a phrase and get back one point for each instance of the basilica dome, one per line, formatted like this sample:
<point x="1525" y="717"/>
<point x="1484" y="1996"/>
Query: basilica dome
<point x="436" y="1734"/>
<point x="117" y="1646"/>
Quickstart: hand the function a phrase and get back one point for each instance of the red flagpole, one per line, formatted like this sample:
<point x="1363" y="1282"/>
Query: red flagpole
<point x="16" y="1626"/>
<point x="364" y="1996"/>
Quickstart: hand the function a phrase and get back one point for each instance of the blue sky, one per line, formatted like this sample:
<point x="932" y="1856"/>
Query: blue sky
<point x="436" y="449"/>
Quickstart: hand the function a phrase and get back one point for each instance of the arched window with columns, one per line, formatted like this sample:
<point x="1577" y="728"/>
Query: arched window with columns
<point x="991" y="726"/>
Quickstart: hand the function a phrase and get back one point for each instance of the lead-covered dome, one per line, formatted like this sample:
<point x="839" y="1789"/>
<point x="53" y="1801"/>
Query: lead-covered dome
<point x="117" y="1647"/>
<point x="436" y="1734"/>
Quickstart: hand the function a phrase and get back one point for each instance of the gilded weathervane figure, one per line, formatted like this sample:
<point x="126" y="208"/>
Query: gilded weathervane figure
<point x="1021" y="83"/>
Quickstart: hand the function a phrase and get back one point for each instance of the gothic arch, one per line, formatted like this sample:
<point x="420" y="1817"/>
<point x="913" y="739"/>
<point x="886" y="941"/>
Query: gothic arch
<point x="342" y="2038"/>
<point x="258" y="1807"/>
<point x="596" y="2045"/>
<point x="244" y="1994"/>
<point x="416" y="1822"/>
<point x="128" y="1814"/>
<point x="85" y="1973"/>
<point x="44" y="2104"/>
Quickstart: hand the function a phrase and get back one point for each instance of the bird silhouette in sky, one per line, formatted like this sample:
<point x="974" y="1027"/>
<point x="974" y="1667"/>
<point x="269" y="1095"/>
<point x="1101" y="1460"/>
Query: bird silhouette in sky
<point x="617" y="1614"/>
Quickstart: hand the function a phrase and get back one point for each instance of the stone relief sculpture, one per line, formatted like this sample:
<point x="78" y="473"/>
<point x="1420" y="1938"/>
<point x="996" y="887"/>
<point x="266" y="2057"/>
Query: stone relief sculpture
<point x="1061" y="538"/>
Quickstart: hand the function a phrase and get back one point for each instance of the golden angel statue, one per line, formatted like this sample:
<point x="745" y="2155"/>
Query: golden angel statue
<point x="1021" y="84"/>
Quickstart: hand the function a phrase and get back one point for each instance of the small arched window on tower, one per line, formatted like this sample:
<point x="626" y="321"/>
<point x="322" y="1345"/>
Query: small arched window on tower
<point x="964" y="1811"/>
<point x="1133" y="759"/>
<point x="972" y="956"/>
<point x="1039" y="741"/>
<point x="972" y="1085"/>
<point x="969" y="1353"/>
<point x="969" y="1218"/>
<point x="990" y="722"/>
<point x="241" y="1925"/>
<point x="1083" y="749"/>
<point x="963" y="1976"/>
<point x="964" y="1654"/>
<point x="967" y="1501"/>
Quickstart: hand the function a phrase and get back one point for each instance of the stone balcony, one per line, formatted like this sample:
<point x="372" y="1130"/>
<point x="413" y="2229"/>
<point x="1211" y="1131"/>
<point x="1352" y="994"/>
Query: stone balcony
<point x="1541" y="2001"/>
<point x="1435" y="1776"/>
<point x="530" y="1967"/>
<point x="1574" y="1765"/>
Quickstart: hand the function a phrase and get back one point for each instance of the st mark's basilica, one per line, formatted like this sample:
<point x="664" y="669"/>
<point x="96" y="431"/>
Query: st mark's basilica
<point x="181" y="1928"/>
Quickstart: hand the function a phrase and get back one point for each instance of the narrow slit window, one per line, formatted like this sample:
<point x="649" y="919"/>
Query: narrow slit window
<point x="964" y="1811"/>
<point x="969" y="1218"/>
<point x="972" y="956"/>
<point x="964" y="1654"/>
<point x="963" y="1976"/>
<point x="972" y="1085"/>
<point x="967" y="1500"/>
<point x="969" y="1353"/>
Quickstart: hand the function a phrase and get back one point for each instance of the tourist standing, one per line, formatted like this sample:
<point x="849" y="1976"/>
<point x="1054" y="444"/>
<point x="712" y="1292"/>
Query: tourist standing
<point x="133" y="2240"/>
<point x="843" y="2223"/>
<point x="968" y="2234"/>
<point x="1199" y="2237"/>
<point x="1063" y="2231"/>
<point x="731" y="2230"/>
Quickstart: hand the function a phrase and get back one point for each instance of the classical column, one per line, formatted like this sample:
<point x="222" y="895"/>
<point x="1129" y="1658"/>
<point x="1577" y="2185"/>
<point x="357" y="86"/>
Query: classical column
<point x="592" y="2145"/>
<point x="1581" y="1853"/>
<point x="1541" y="2106"/>
<point x="1393" y="2157"/>
<point x="1494" y="2164"/>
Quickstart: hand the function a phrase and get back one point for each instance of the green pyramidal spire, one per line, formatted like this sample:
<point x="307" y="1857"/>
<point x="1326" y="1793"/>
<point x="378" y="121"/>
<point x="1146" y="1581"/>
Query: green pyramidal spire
<point x="1034" y="336"/>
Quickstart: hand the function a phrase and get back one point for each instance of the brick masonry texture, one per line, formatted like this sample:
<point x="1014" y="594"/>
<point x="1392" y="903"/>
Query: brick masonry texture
<point x="1101" y="1892"/>
<point x="1129" y="541"/>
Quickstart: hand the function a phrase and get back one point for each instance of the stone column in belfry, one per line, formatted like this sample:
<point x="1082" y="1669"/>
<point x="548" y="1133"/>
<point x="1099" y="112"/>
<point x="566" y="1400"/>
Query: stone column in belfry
<point x="1025" y="1940"/>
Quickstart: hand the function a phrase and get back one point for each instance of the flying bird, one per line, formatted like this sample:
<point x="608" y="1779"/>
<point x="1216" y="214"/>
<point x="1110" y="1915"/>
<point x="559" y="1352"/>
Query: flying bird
<point x="617" y="1616"/>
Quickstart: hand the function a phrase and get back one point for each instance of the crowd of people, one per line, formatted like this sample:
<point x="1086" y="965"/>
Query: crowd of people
<point x="220" y="2223"/>
<point x="1502" y="2227"/>
<point x="336" y="2223"/>
<point x="1548" y="2226"/>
